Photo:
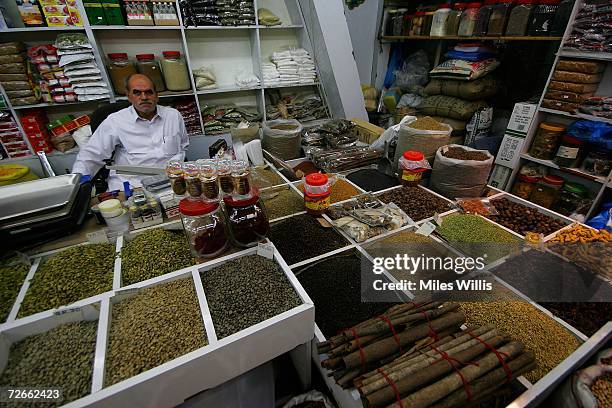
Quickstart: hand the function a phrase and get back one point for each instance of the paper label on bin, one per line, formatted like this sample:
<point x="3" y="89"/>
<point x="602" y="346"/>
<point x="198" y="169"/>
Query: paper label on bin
<point x="65" y="311"/>
<point x="437" y="219"/>
<point x="426" y="228"/>
<point x="266" y="250"/>
<point x="97" y="237"/>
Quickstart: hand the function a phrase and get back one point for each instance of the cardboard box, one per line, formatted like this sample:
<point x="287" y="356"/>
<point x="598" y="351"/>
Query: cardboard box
<point x="500" y="176"/>
<point x="510" y="151"/>
<point x="521" y="119"/>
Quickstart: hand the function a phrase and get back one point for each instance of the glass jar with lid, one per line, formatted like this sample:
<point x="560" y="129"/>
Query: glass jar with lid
<point x="192" y="180"/>
<point x="241" y="178"/>
<point x="174" y="171"/>
<point x="468" y="20"/>
<point x="407" y="24"/>
<point x="439" y="26"/>
<point x="519" y="18"/>
<point x="175" y="72"/>
<point x="391" y="13"/>
<point x="482" y="18"/>
<point x="570" y="198"/>
<point x="398" y="22"/>
<point x="208" y="178"/>
<point x="499" y="17"/>
<point x="547" y="191"/>
<point x="524" y="186"/>
<point x="542" y="17"/>
<point x="417" y="23"/>
<point x="454" y="18"/>
<point x="247" y="221"/>
<point x="569" y="152"/>
<point x="146" y="65"/>
<point x="546" y="141"/>
<point x="224" y="172"/>
<point x="204" y="226"/>
<point x="598" y="161"/>
<point x="119" y="69"/>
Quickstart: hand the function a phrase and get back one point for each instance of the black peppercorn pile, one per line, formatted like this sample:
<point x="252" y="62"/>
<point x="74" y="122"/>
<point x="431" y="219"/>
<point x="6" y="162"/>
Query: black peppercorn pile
<point x="416" y="202"/>
<point x="372" y="180"/>
<point x="588" y="317"/>
<point x="302" y="237"/>
<point x="463" y="154"/>
<point x="522" y="219"/>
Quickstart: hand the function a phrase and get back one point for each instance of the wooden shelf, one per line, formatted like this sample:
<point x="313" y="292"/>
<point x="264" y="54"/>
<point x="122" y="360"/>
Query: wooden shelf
<point x="455" y="37"/>
<point x="569" y="170"/>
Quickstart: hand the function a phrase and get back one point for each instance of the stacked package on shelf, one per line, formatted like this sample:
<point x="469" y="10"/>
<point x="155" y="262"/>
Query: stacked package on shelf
<point x="79" y="65"/>
<point x="53" y="83"/>
<point x="303" y="107"/>
<point x="64" y="131"/>
<point x="15" y="75"/>
<point x="222" y="118"/>
<point x="598" y="106"/>
<point x="61" y="13"/>
<point x="271" y="76"/>
<point x="11" y="138"/>
<point x="572" y="83"/>
<point x="217" y="12"/>
<point x="294" y="66"/>
<point x="189" y="112"/>
<point x="306" y="66"/>
<point x="592" y="29"/>
<point x="34" y="124"/>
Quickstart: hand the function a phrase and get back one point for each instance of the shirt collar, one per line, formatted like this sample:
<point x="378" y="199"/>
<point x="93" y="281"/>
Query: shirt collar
<point x="135" y="117"/>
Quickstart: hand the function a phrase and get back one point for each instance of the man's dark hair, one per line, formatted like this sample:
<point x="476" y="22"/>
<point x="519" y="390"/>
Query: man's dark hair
<point x="127" y="81"/>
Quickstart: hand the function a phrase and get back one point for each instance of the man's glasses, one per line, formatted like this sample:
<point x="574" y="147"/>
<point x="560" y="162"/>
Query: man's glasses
<point x="148" y="92"/>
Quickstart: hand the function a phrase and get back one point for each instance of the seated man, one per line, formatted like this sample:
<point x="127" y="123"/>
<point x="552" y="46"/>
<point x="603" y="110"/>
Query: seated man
<point x="144" y="134"/>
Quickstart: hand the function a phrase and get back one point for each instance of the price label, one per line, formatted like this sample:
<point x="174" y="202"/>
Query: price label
<point x="426" y="228"/>
<point x="437" y="219"/>
<point x="266" y="250"/>
<point x="97" y="237"/>
<point x="65" y="311"/>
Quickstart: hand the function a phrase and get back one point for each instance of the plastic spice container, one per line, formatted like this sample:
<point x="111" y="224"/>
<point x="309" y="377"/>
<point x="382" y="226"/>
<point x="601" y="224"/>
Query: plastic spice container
<point x="598" y="162"/>
<point x="482" y="19"/>
<point x="120" y="68"/>
<point x="224" y="171"/>
<point x="524" y="186"/>
<point x="417" y="23"/>
<point x="468" y="20"/>
<point x="208" y="178"/>
<point x="174" y="171"/>
<point x="147" y="65"/>
<point x="546" y="191"/>
<point x="546" y="141"/>
<point x="175" y="71"/>
<point x="247" y="221"/>
<point x="562" y="17"/>
<point x="204" y="226"/>
<point x="542" y="17"/>
<point x="454" y="17"/>
<point x="317" y="193"/>
<point x="241" y="179"/>
<point x="499" y="17"/>
<point x="192" y="180"/>
<point x="569" y="152"/>
<point x="570" y="198"/>
<point x="519" y="19"/>
<point x="439" y="25"/>
<point x="412" y="165"/>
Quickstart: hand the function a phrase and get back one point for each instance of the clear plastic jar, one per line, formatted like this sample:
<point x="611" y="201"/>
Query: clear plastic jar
<point x="317" y="193"/>
<point x="524" y="186"/>
<point x="247" y="221"/>
<point x="174" y="171"/>
<point x="597" y="162"/>
<point x="224" y="170"/>
<point x="542" y="17"/>
<point x="398" y="22"/>
<point x="147" y="65"/>
<point x="499" y="18"/>
<point x="119" y="69"/>
<point x="391" y="14"/>
<point x="208" y="178"/>
<point x="192" y="180"/>
<point x="242" y="179"/>
<point x="569" y="152"/>
<point x="546" y="141"/>
<point x="482" y="19"/>
<point x="454" y="18"/>
<point x="570" y="198"/>
<point x="546" y="191"/>
<point x="204" y="226"/>
<point x="175" y="71"/>
<point x="439" y="26"/>
<point x="468" y="20"/>
<point x="417" y="23"/>
<point x="519" y="19"/>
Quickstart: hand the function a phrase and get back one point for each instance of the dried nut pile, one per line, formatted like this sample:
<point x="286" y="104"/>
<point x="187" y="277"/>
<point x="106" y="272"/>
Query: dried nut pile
<point x="68" y="276"/>
<point x="550" y="341"/>
<point x="60" y="358"/>
<point x="265" y="177"/>
<point x="415" y="201"/>
<point x="588" y="317"/>
<point x="280" y="202"/>
<point x="522" y="219"/>
<point x="427" y="123"/>
<point x="582" y="234"/>
<point x="154" y="253"/>
<point x="156" y="325"/>
<point x="246" y="291"/>
<point x="11" y="279"/>
<point x="602" y="390"/>
<point x="460" y="153"/>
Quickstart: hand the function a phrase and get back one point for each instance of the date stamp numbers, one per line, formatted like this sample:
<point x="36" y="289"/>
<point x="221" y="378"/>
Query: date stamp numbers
<point x="14" y="394"/>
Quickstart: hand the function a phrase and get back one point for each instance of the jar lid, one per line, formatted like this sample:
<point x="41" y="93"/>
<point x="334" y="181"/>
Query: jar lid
<point x="473" y="5"/>
<point x="229" y="200"/>
<point x="490" y="2"/>
<point x="553" y="180"/>
<point x="109" y="206"/>
<point x="171" y="54"/>
<point x="506" y="1"/>
<point x="575" y="188"/>
<point x="413" y="155"/>
<point x="460" y="6"/>
<point x="571" y="139"/>
<point x="141" y="57"/>
<point x="555" y="127"/>
<point x="528" y="179"/>
<point x="196" y="207"/>
<point x="316" y="179"/>
<point x="444" y="6"/>
<point x="526" y="1"/>
<point x="118" y="55"/>
<point x="419" y="13"/>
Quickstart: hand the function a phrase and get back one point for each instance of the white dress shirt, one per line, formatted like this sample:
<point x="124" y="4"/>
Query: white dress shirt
<point x="136" y="141"/>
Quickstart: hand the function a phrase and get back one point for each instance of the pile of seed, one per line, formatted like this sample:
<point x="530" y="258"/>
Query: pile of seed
<point x="476" y="237"/>
<point x="372" y="180"/>
<point x="11" y="279"/>
<point x="155" y="326"/>
<point x="68" y="276"/>
<point x="427" y="123"/>
<point x="246" y="291"/>
<point x="60" y="358"/>
<point x="522" y="219"/>
<point x="282" y="202"/>
<point x="550" y="341"/>
<point x="302" y="237"/>
<point x="341" y="191"/>
<point x="588" y="317"/>
<point x="264" y="177"/>
<point x="602" y="390"/>
<point x="460" y="153"/>
<point x="415" y="201"/>
<point x="154" y="253"/>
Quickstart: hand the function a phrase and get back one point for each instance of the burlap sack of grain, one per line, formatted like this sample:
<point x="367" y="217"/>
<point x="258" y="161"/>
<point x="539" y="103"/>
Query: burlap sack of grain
<point x="457" y="125"/>
<point x="424" y="141"/>
<point x="576" y="77"/>
<point x="455" y="178"/>
<point x="450" y="107"/>
<point x="482" y="88"/>
<point x="586" y="67"/>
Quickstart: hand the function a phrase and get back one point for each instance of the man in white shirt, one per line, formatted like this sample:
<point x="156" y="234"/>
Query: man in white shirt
<point x="144" y="134"/>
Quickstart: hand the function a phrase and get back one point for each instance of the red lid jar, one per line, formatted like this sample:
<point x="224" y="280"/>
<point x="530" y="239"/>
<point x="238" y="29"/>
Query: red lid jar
<point x="204" y="227"/>
<point x="247" y="220"/>
<point x="412" y="165"/>
<point x="317" y="193"/>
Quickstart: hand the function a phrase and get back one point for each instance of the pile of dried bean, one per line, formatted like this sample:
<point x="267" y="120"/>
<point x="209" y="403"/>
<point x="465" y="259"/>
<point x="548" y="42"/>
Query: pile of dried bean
<point x="415" y="201"/>
<point x="522" y="219"/>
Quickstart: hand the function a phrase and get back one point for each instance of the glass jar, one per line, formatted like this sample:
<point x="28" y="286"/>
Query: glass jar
<point x="192" y="180"/>
<point x="439" y="26"/>
<point x="119" y="69"/>
<point x="468" y="20"/>
<point x="204" y="227"/>
<point x="175" y="71"/>
<point x="562" y="17"/>
<point x="524" y="186"/>
<point x="427" y="23"/>
<point x="482" y="18"/>
<point x="417" y="23"/>
<point x="454" y="18"/>
<point x="570" y="198"/>
<point x="224" y="171"/>
<point x="499" y="18"/>
<point x="174" y="171"/>
<point x="241" y="179"/>
<point x="546" y="191"/>
<point x="542" y="17"/>
<point x="519" y="19"/>
<point x="147" y="65"/>
<point x="598" y="162"/>
<point x="546" y="141"/>
<point x="391" y="14"/>
<point x="208" y="178"/>
<point x="398" y="22"/>
<point x="247" y="221"/>
<point x="407" y="24"/>
<point x="569" y="153"/>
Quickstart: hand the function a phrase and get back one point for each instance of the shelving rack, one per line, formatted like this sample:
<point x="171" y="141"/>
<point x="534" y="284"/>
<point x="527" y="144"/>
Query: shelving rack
<point x="223" y="47"/>
<point x="596" y="185"/>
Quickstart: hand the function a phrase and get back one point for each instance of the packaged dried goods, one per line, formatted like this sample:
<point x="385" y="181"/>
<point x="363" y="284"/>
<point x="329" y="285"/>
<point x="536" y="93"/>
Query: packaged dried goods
<point x="586" y="67"/>
<point x="572" y="87"/>
<point x="560" y="105"/>
<point x="576" y="77"/>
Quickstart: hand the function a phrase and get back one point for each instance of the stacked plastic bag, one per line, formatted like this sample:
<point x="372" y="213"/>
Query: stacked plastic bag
<point x="271" y="76"/>
<point x="592" y="29"/>
<point x="245" y="79"/>
<point x="16" y="75"/>
<point x="54" y="84"/>
<point x="205" y="78"/>
<point x="294" y="67"/>
<point x="303" y="107"/>
<point x="217" y="12"/>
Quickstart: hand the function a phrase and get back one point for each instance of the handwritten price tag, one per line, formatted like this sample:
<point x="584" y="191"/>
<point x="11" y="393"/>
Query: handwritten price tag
<point x="266" y="250"/>
<point x="426" y="229"/>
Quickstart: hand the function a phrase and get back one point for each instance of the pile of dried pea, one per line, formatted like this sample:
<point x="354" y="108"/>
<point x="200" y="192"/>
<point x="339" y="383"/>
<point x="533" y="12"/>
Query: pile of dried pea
<point x="11" y="279"/>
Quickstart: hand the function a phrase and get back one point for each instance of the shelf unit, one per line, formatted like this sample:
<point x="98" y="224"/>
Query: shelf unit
<point x="596" y="185"/>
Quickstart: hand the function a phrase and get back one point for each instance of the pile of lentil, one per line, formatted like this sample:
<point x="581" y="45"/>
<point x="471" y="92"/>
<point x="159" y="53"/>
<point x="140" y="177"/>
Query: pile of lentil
<point x="415" y="201"/>
<point x="427" y="123"/>
<point x="280" y="202"/>
<point x="68" y="276"/>
<point x="459" y="153"/>
<point x="302" y="237"/>
<point x="522" y="219"/>
<point x="154" y="253"/>
<point x="265" y="177"/>
<point x="602" y="390"/>
<point x="341" y="191"/>
<point x="59" y="358"/>
<point x="11" y="279"/>
<point x="476" y="236"/>
<point x="550" y="342"/>
<point x="372" y="180"/>
<point x="156" y="325"/>
<point x="246" y="291"/>
<point x="588" y="317"/>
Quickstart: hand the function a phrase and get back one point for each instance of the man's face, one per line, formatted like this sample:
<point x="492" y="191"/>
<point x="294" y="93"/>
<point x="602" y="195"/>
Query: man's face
<point x="142" y="95"/>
